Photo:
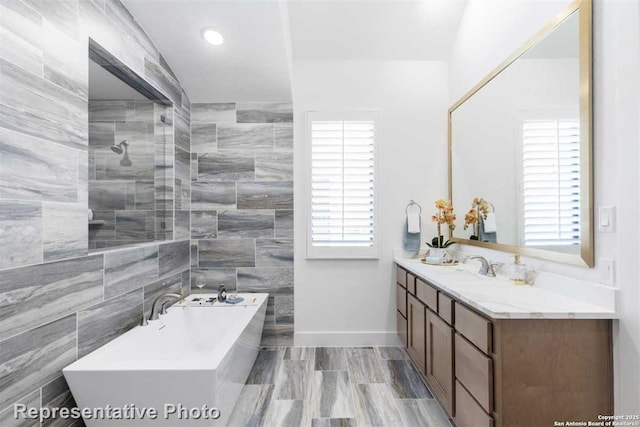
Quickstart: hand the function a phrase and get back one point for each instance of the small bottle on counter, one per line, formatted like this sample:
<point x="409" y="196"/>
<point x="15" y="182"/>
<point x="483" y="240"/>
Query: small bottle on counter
<point x="222" y="293"/>
<point x="518" y="271"/>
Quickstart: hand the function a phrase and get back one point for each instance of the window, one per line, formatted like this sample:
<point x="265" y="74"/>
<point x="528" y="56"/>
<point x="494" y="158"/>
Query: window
<point x="342" y="206"/>
<point x="551" y="182"/>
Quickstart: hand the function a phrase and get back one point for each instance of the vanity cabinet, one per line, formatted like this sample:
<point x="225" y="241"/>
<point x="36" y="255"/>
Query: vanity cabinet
<point x="474" y="327"/>
<point x="427" y="294"/>
<point x="469" y="413"/>
<point x="401" y="277"/>
<point x="401" y="305"/>
<point x="416" y="322"/>
<point x="474" y="369"/>
<point x="440" y="359"/>
<point x="551" y="369"/>
<point x="401" y="313"/>
<point x="505" y="372"/>
<point x="402" y="328"/>
<point x="430" y="337"/>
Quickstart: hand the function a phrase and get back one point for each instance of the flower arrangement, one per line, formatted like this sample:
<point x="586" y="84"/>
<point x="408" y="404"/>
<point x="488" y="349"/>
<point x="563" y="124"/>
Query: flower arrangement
<point x="479" y="206"/>
<point x="443" y="215"/>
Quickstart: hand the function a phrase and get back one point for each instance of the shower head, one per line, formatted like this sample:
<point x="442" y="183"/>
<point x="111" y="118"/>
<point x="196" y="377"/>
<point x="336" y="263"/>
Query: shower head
<point x="119" y="148"/>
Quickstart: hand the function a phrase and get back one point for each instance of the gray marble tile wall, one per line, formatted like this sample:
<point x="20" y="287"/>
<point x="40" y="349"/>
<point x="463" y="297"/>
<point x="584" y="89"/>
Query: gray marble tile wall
<point x="242" y="205"/>
<point x="45" y="124"/>
<point x="53" y="313"/>
<point x="57" y="302"/>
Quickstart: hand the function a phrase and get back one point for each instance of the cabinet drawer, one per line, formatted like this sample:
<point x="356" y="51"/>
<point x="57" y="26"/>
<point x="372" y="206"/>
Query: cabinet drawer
<point x="468" y="412"/>
<point x="475" y="371"/>
<point x="474" y="327"/>
<point x="401" y="276"/>
<point x="411" y="283"/>
<point x="445" y="308"/>
<point x="427" y="294"/>
<point x="401" y="300"/>
<point x="402" y="328"/>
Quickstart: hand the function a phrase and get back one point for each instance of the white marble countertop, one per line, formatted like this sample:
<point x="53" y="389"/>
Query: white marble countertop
<point x="552" y="297"/>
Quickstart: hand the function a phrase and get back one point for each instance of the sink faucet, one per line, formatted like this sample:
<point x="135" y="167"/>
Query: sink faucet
<point x="160" y="302"/>
<point x="486" y="269"/>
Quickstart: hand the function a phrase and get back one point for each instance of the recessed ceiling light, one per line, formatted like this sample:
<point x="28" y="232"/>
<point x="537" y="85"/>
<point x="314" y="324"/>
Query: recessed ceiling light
<point x="213" y="37"/>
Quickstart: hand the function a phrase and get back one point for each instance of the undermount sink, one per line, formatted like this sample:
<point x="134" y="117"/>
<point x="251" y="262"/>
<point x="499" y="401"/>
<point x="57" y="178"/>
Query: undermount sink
<point x="458" y="271"/>
<point x="465" y="275"/>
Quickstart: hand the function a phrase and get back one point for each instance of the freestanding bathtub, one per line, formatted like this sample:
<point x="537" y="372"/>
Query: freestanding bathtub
<point x="193" y="357"/>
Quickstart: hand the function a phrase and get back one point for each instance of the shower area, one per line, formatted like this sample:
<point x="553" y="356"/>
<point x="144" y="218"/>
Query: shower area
<point x="128" y="191"/>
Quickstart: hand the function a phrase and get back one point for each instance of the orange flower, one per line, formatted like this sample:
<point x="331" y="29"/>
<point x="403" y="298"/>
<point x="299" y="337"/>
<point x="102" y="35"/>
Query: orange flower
<point x="444" y="215"/>
<point x="470" y="218"/>
<point x="481" y="205"/>
<point x="441" y="203"/>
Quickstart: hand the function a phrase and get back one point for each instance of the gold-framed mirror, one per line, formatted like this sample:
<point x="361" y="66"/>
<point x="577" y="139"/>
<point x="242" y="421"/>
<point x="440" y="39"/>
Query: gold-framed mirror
<point x="521" y="140"/>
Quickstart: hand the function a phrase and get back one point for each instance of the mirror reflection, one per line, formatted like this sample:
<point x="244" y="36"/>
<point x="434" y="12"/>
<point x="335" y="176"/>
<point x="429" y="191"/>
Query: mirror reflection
<point x="515" y="150"/>
<point x="126" y="134"/>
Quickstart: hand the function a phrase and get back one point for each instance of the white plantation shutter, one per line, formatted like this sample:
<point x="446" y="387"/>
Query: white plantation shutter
<point x="551" y="182"/>
<point x="342" y="185"/>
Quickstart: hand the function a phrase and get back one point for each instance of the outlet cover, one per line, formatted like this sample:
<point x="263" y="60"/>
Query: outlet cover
<point x="607" y="219"/>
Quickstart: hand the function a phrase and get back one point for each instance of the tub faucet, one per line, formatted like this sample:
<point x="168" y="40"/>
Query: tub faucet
<point x="159" y="302"/>
<point x="486" y="269"/>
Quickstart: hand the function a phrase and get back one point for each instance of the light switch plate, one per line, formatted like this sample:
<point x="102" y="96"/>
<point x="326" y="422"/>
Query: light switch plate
<point x="607" y="271"/>
<point x="607" y="219"/>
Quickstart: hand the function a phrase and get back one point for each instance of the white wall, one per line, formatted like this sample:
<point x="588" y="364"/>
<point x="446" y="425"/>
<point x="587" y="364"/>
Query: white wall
<point x="353" y="302"/>
<point x="490" y="31"/>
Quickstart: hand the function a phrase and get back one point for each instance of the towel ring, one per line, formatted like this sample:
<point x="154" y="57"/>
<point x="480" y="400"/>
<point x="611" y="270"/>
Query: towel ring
<point x="413" y="203"/>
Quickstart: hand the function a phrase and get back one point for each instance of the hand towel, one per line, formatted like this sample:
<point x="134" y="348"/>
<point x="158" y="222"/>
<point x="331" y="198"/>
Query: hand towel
<point x="490" y="225"/>
<point x="413" y="222"/>
<point x="486" y="236"/>
<point x="410" y="241"/>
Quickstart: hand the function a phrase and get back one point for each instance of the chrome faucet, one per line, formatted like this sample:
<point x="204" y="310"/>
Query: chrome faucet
<point x="487" y="268"/>
<point x="161" y="302"/>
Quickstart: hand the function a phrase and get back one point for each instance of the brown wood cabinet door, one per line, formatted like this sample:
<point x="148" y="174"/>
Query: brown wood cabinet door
<point x="440" y="360"/>
<point x="401" y="300"/>
<point x="416" y="322"/>
<point x="402" y="328"/>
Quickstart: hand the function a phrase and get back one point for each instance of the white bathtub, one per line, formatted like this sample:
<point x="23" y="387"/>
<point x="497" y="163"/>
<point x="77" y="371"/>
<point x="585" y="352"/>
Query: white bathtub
<point x="192" y="356"/>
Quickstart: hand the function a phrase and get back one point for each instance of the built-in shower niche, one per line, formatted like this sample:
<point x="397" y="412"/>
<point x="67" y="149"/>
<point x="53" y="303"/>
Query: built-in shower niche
<point x="130" y="156"/>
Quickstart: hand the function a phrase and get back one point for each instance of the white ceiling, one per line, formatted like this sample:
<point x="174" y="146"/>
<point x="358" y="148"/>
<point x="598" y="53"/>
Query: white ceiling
<point x="254" y="62"/>
<point x="374" y="30"/>
<point x="251" y="65"/>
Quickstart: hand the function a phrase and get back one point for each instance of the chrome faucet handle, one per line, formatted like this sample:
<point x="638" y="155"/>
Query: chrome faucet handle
<point x="163" y="308"/>
<point x="159" y="301"/>
<point x="490" y="271"/>
<point x="486" y="269"/>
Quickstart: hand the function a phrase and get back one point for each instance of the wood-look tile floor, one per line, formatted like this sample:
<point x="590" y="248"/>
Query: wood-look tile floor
<point x="336" y="387"/>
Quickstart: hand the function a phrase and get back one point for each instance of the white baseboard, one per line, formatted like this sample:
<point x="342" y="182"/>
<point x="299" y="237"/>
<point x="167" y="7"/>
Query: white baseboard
<point x="345" y="339"/>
